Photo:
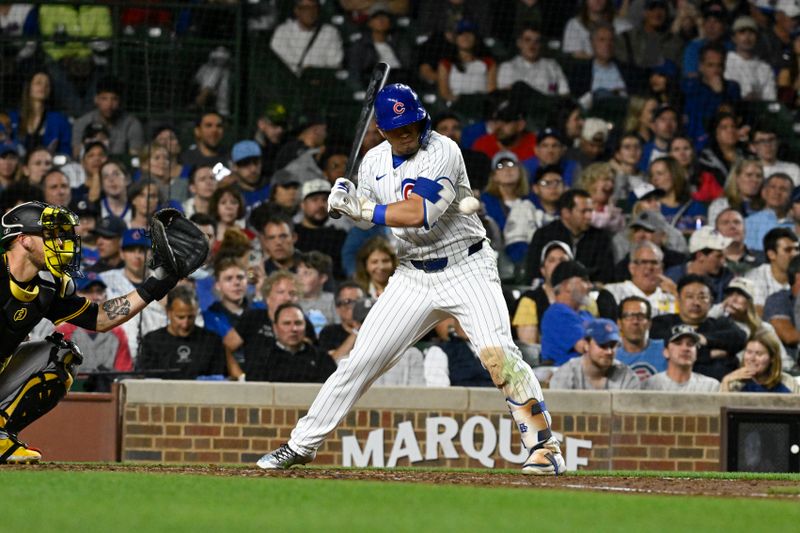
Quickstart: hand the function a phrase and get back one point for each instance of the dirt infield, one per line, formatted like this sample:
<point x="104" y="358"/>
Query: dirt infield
<point x="763" y="488"/>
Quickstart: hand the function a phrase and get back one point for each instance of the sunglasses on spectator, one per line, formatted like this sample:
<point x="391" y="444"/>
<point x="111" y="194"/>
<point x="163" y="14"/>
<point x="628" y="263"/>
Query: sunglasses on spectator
<point x="344" y="302"/>
<point x="506" y="163"/>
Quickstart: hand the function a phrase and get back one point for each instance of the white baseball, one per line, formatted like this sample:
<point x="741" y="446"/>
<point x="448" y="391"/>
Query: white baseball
<point x="469" y="205"/>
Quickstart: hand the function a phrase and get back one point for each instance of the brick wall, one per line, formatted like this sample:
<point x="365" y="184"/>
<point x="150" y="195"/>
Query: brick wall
<point x="188" y="422"/>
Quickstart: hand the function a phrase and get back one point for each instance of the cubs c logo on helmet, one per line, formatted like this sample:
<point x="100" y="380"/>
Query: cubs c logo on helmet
<point x="399" y="108"/>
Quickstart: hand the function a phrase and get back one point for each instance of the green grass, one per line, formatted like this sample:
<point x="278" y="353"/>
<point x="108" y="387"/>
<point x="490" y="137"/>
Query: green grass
<point x="119" y="502"/>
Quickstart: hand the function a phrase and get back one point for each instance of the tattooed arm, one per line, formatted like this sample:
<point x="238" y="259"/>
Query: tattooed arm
<point x="115" y="311"/>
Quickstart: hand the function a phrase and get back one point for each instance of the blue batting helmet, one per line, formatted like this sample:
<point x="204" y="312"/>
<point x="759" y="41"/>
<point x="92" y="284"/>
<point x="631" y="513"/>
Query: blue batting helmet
<point x="397" y="105"/>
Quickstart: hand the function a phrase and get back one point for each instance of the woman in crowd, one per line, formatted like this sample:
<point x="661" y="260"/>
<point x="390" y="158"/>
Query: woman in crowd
<point x="738" y="304"/>
<point x="676" y="205"/>
<point x="156" y="163"/>
<point x="35" y="123"/>
<point x="723" y="151"/>
<point x="202" y="185"/>
<point x="36" y="164"/>
<point x="681" y="148"/>
<point x="375" y="263"/>
<point x="577" y="40"/>
<point x="114" y="181"/>
<point x="168" y="136"/>
<point x="761" y="368"/>
<point x="598" y="180"/>
<point x="145" y="198"/>
<point x="84" y="176"/>
<point x="228" y="209"/>
<point x="470" y="70"/>
<point x="742" y="190"/>
<point x="625" y="163"/>
<point x="508" y="185"/>
<point x="568" y="118"/>
<point x="640" y="117"/>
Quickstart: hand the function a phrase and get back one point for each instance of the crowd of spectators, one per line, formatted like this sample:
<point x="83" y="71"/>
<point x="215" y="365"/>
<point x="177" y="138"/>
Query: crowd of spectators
<point x="659" y="252"/>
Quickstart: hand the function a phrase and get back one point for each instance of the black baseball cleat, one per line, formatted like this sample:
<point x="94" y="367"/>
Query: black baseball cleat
<point x="283" y="458"/>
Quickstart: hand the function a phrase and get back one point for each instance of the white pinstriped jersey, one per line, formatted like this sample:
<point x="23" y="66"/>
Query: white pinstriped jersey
<point x="379" y="181"/>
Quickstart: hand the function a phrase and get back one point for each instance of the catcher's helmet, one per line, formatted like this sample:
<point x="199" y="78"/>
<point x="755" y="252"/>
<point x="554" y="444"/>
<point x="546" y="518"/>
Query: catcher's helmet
<point x="398" y="105"/>
<point x="56" y="225"/>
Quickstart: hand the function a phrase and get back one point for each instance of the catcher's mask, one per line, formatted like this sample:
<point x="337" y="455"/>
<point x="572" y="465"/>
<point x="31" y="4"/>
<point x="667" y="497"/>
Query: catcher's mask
<point x="56" y="226"/>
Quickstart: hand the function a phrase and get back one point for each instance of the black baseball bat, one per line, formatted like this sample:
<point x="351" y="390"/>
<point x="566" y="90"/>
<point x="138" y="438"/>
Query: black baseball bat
<point x="376" y="82"/>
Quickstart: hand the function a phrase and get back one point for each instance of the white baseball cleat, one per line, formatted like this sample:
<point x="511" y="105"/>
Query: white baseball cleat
<point x="545" y="461"/>
<point x="283" y="458"/>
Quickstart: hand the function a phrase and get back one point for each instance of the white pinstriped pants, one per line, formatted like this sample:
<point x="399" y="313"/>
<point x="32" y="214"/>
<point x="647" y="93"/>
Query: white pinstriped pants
<point x="413" y="302"/>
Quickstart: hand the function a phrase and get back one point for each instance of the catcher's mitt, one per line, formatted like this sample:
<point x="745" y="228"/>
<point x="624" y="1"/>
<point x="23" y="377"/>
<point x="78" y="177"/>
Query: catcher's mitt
<point x="178" y="244"/>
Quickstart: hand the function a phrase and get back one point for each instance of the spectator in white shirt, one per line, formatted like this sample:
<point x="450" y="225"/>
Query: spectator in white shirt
<point x="542" y="74"/>
<point x="122" y="281"/>
<point x="576" y="39"/>
<point x="764" y="143"/>
<point x="754" y="76"/>
<point x="681" y="353"/>
<point x="780" y="246"/>
<point x="647" y="280"/>
<point x="304" y="41"/>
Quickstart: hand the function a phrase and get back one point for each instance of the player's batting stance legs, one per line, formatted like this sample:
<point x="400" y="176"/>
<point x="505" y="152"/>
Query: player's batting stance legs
<point x="414" y="183"/>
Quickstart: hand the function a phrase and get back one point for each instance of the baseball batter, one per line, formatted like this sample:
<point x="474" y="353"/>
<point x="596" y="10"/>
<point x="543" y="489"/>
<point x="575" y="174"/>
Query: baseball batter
<point x="413" y="183"/>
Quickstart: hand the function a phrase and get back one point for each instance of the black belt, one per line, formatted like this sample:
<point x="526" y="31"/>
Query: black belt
<point x="439" y="263"/>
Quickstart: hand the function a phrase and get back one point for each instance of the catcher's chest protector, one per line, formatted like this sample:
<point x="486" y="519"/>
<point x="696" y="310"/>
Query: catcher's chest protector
<point x="19" y="317"/>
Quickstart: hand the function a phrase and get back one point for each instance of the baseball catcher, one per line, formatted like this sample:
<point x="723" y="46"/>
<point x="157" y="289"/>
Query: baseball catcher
<point x="41" y="255"/>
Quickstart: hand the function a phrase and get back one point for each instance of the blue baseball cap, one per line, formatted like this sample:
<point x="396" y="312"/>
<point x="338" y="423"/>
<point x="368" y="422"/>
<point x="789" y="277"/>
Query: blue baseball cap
<point x="8" y="147"/>
<point x="135" y="237"/>
<point x="465" y="25"/>
<point x="89" y="279"/>
<point x="245" y="150"/>
<point x="602" y="330"/>
<point x="549" y="132"/>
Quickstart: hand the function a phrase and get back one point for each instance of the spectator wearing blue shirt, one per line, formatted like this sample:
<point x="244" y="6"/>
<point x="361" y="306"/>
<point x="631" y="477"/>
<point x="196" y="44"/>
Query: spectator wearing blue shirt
<point x="36" y="123"/>
<point x="665" y="126"/>
<point x="677" y="205"/>
<point x="714" y="31"/>
<point x="231" y="286"/>
<point x="550" y="150"/>
<point x="508" y="184"/>
<point x="247" y="160"/>
<point x="641" y="353"/>
<point x="563" y="324"/>
<point x="704" y="93"/>
<point x="776" y="193"/>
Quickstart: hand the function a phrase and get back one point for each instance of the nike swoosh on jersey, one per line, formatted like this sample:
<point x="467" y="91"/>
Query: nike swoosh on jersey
<point x="379" y="178"/>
